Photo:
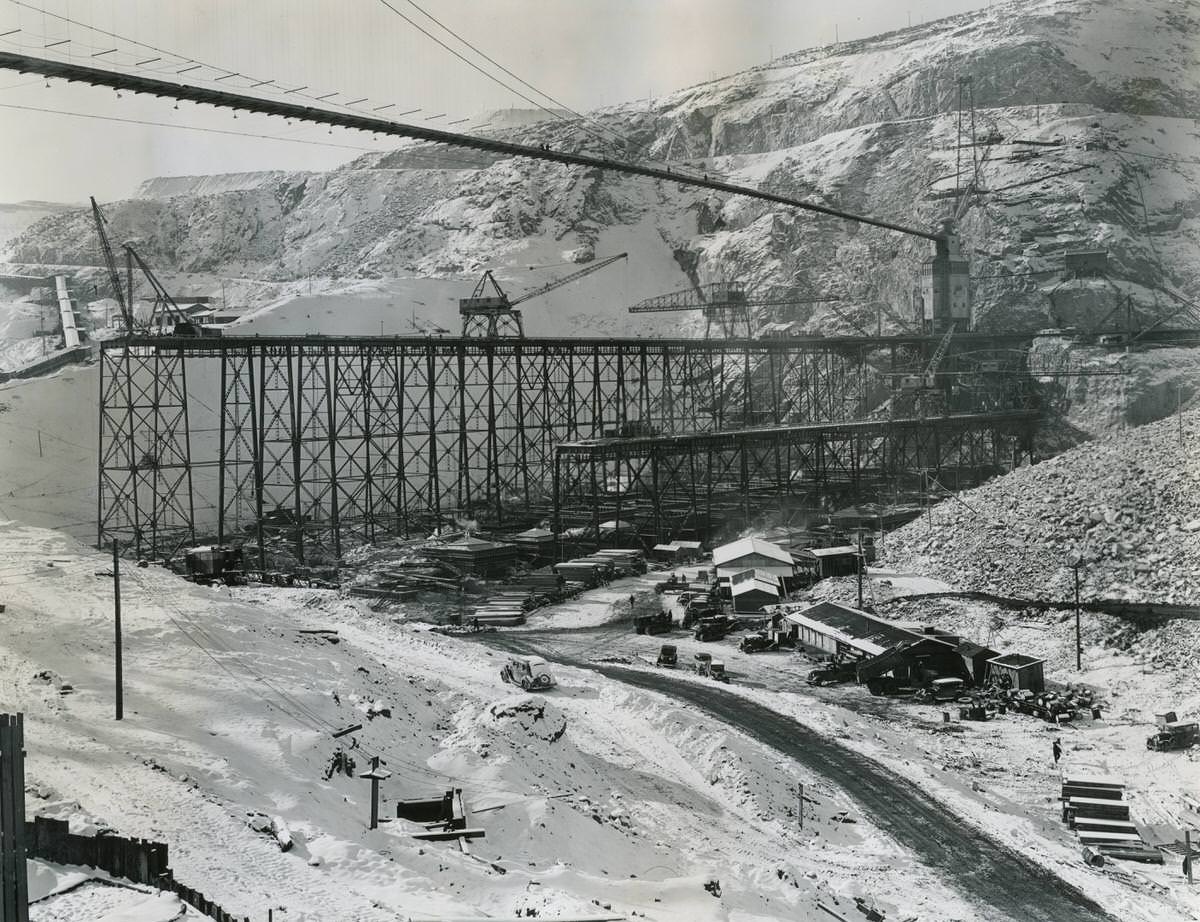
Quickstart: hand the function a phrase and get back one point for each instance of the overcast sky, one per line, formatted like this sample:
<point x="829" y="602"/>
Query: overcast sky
<point x="585" y="53"/>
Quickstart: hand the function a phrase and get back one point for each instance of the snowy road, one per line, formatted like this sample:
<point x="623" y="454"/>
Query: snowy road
<point x="979" y="866"/>
<point x="987" y="870"/>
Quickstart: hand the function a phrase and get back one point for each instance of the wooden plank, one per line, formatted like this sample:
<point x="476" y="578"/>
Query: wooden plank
<point x="1090" y="837"/>
<point x="445" y="835"/>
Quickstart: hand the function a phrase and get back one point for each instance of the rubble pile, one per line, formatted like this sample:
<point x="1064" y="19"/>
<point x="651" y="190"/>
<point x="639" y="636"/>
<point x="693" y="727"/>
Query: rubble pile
<point x="1128" y="507"/>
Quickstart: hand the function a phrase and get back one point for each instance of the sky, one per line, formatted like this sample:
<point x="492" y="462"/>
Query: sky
<point x="583" y="53"/>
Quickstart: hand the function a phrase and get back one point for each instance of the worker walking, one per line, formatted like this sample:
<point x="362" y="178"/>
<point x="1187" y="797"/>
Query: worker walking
<point x="1057" y="749"/>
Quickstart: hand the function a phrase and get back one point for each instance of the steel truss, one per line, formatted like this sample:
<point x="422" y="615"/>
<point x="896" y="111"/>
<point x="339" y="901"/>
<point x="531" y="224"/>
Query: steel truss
<point x="323" y="443"/>
<point x="696" y="485"/>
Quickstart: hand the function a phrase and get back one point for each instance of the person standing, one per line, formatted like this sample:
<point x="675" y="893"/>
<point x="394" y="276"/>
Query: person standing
<point x="1057" y="749"/>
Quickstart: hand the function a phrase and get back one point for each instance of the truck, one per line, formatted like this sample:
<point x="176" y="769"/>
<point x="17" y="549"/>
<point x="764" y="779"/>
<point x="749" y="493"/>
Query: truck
<point x="1177" y="734"/>
<point x="713" y="628"/>
<point x="654" y="624"/>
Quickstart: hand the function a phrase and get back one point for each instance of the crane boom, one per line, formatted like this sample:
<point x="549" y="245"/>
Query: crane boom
<point x="110" y="262"/>
<point x="565" y="280"/>
<point x="162" y="300"/>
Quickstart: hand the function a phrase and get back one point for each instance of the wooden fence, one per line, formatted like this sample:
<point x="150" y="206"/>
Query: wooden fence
<point x="138" y="860"/>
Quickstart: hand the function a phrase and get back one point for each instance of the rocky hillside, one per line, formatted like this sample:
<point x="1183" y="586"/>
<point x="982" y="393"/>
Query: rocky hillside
<point x="1129" y="506"/>
<point x="1084" y="115"/>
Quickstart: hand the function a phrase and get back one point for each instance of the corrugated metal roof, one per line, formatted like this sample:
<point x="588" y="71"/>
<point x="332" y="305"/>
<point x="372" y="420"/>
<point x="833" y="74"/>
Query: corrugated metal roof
<point x="856" y="624"/>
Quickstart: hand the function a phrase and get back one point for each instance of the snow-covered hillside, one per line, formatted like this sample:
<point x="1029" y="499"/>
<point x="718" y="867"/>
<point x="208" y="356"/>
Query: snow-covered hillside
<point x="1084" y="111"/>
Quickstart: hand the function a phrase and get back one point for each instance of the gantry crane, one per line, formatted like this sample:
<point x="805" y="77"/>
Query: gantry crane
<point x="493" y="316"/>
<point x="723" y="303"/>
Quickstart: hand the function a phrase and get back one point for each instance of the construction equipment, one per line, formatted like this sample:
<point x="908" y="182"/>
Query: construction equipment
<point x="758" y="643"/>
<point x="1177" y="734"/>
<point x="216" y="563"/>
<point x="713" y="628"/>
<point x="494" y="316"/>
<point x="110" y="263"/>
<point x="654" y="624"/>
<point x="725" y="304"/>
<point x="836" y="671"/>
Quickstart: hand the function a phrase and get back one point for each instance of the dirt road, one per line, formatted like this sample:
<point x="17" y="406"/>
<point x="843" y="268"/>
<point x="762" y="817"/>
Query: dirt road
<point x="984" y="869"/>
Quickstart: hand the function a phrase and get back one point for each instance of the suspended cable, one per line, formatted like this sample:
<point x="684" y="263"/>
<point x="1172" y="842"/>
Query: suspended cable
<point x="135" y="121"/>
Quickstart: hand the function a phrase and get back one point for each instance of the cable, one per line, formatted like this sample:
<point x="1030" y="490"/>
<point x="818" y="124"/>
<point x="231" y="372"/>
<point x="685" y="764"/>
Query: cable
<point x="526" y="83"/>
<point x="492" y="77"/>
<point x="134" y="121"/>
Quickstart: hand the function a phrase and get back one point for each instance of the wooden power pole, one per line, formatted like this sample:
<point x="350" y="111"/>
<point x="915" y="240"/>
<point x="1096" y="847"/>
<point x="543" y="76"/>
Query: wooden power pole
<point x="119" y="676"/>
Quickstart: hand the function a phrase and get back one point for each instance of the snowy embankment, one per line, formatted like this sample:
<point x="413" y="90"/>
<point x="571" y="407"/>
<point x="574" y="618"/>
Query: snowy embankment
<point x="591" y="795"/>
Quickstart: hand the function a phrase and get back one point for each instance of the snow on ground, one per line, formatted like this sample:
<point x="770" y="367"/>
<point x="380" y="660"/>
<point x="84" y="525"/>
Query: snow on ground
<point x="998" y="775"/>
<point x="611" y="797"/>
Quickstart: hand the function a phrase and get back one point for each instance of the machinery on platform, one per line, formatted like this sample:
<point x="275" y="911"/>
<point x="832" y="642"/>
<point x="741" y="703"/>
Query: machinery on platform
<point x="166" y="316"/>
<point x="493" y="316"/>
<point x="726" y="305"/>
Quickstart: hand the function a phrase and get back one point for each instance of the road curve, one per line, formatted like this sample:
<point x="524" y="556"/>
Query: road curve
<point x="971" y="861"/>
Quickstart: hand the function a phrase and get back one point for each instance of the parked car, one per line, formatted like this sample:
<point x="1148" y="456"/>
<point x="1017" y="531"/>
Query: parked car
<point x="1176" y="735"/>
<point x="530" y="672"/>
<point x="757" y="643"/>
<point x="668" y="656"/>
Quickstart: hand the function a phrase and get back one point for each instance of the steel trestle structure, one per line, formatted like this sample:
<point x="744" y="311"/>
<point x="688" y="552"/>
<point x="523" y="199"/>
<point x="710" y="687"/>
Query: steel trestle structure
<point x="309" y="445"/>
<point x="685" y="486"/>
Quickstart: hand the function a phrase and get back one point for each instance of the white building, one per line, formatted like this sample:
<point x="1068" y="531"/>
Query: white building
<point x="752" y="554"/>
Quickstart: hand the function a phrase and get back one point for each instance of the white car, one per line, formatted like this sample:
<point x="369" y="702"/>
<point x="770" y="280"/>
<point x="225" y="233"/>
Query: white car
<point x="530" y="672"/>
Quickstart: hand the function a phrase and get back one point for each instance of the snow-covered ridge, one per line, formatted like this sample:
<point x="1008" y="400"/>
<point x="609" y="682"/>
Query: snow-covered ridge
<point x="869" y="126"/>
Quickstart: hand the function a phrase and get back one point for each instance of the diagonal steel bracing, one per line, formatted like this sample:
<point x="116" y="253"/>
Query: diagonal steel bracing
<point x="322" y="443"/>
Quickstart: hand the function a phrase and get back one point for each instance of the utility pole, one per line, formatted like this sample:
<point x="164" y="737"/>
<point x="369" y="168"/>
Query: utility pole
<point x="860" y="570"/>
<point x="376" y="774"/>
<point x="1179" y="410"/>
<point x="120" y="680"/>
<point x="1078" y="642"/>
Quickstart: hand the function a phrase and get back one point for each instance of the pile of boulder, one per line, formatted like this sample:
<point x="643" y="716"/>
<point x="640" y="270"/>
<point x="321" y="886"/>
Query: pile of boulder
<point x="1126" y="508"/>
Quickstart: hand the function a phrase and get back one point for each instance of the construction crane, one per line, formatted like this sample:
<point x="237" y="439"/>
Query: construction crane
<point x="493" y="316"/>
<point x="110" y="262"/>
<point x="723" y="303"/>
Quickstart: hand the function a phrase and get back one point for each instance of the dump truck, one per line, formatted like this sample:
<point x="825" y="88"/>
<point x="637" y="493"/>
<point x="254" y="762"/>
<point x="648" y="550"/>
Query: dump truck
<point x="713" y="628"/>
<point x="1173" y="735"/>
<point x="834" y="672"/>
<point x="654" y="624"/>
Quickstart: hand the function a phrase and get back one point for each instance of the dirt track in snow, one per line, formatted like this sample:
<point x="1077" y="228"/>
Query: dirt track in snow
<point x="986" y="870"/>
<point x="973" y="862"/>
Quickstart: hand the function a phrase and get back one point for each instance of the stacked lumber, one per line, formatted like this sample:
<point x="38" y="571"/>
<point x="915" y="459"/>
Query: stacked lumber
<point x="1098" y="812"/>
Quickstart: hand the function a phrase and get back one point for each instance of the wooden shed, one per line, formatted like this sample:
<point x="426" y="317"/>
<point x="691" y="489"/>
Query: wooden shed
<point x="817" y="563"/>
<point x="752" y="590"/>
<point x="1017" y="671"/>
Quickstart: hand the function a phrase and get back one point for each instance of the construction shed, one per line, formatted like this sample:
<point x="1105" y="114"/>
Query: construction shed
<point x="1017" y="671"/>
<point x="975" y="660"/>
<point x="817" y="563"/>
<point x="834" y="628"/>
<point x="753" y="590"/>
<point x="752" y="554"/>
<point x="475" y="556"/>
<point x="535" y="543"/>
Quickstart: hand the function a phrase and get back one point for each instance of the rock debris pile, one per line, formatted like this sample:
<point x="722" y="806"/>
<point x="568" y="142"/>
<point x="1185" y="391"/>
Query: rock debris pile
<point x="1128" y="507"/>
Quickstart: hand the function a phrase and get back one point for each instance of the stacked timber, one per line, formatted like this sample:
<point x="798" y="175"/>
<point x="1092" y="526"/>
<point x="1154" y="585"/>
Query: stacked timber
<point x="1098" y="812"/>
